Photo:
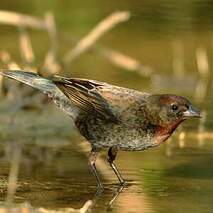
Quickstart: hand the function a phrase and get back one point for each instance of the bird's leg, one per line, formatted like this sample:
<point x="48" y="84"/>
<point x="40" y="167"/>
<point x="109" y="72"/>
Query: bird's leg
<point x="111" y="157"/>
<point x="92" y="158"/>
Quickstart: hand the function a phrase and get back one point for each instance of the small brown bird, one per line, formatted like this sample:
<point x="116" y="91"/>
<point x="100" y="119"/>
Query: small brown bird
<point x="112" y="117"/>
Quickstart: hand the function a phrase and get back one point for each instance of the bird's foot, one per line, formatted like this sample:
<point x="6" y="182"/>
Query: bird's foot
<point x="98" y="193"/>
<point x="100" y="189"/>
<point x="122" y="183"/>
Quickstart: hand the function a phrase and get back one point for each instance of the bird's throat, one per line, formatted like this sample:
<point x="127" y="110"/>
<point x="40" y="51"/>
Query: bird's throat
<point x="162" y="133"/>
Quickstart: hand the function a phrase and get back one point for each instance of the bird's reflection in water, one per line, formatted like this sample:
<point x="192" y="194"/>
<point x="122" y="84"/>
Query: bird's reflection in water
<point x="127" y="195"/>
<point x="115" y="196"/>
<point x="109" y="205"/>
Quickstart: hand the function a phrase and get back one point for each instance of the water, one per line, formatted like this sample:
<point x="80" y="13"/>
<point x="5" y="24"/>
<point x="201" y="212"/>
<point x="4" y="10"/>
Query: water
<point x="175" y="177"/>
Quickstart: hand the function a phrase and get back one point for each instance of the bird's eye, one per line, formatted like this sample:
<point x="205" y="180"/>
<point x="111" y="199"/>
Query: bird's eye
<point x="174" y="107"/>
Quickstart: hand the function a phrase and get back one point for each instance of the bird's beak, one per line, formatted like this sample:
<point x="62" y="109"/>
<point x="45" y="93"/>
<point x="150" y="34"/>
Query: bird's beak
<point x="192" y="112"/>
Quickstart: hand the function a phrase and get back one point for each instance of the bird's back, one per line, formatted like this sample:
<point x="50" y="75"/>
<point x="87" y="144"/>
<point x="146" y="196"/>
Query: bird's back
<point x="104" y="100"/>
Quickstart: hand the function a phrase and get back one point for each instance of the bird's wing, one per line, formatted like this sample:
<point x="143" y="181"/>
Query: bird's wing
<point x="85" y="95"/>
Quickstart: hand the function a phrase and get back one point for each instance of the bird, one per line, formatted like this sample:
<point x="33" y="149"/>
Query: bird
<point x="112" y="117"/>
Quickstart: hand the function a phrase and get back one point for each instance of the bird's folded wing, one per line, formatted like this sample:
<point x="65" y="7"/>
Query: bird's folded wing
<point x="84" y="94"/>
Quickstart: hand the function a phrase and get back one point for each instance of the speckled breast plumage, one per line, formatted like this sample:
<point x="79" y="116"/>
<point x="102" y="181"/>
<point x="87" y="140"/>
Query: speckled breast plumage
<point x="102" y="134"/>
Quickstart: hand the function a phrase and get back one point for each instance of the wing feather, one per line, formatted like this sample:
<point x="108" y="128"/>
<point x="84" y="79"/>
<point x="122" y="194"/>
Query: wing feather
<point x="86" y="96"/>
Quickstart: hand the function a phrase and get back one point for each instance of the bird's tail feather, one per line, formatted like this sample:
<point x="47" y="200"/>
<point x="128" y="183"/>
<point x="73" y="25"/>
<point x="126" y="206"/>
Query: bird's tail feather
<point x="31" y="79"/>
<point x="45" y="85"/>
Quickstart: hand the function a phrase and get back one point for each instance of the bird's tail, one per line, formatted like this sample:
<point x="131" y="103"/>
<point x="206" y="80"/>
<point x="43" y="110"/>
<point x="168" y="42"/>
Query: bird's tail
<point x="31" y="79"/>
<point x="46" y="85"/>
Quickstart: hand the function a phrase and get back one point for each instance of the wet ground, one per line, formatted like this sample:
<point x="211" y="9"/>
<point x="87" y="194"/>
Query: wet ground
<point x="175" y="40"/>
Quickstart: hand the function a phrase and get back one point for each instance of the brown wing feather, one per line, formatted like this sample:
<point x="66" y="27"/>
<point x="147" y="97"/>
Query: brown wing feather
<point x="85" y="95"/>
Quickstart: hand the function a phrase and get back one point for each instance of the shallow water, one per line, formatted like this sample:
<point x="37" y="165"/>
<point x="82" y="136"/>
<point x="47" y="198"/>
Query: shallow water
<point x="175" y="177"/>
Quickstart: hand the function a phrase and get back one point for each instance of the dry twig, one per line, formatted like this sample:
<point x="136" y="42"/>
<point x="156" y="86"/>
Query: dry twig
<point x="86" y="207"/>
<point x="17" y="19"/>
<point x="25" y="45"/>
<point x="203" y="71"/>
<point x="104" y="26"/>
<point x="14" y="170"/>
<point x="50" y="61"/>
<point x="124" y="61"/>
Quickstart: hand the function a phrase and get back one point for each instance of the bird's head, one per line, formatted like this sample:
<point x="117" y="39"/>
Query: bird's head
<point x="170" y="109"/>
